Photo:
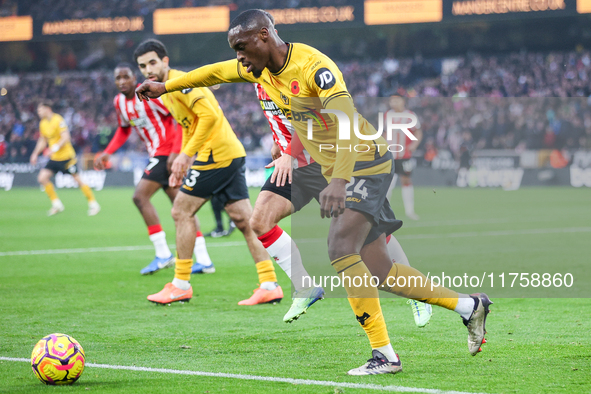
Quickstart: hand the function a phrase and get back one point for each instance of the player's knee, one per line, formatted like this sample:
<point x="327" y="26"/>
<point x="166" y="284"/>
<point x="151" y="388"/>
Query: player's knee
<point x="176" y="213"/>
<point x="138" y="201"/>
<point x="338" y="248"/>
<point x="259" y="225"/>
<point x="241" y="220"/>
<point x="41" y="179"/>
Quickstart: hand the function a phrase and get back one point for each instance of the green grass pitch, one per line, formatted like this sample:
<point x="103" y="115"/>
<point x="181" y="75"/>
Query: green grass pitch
<point x="534" y="345"/>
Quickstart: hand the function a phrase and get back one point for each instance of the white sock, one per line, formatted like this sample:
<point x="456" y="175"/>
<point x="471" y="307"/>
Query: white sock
<point x="269" y="285"/>
<point x="56" y="203"/>
<point x="389" y="352"/>
<point x="159" y="241"/>
<point x="181" y="284"/>
<point x="200" y="250"/>
<point x="408" y="198"/>
<point x="285" y="252"/>
<point x="396" y="253"/>
<point x="465" y="306"/>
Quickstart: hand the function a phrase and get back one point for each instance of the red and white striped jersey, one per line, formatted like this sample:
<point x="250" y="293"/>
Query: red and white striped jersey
<point x="150" y="119"/>
<point x="280" y="126"/>
<point x="398" y="136"/>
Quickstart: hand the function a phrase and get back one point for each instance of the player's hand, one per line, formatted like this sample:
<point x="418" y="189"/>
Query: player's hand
<point x="33" y="159"/>
<point x="100" y="160"/>
<point x="332" y="198"/>
<point x="173" y="181"/>
<point x="180" y="166"/>
<point x="283" y="170"/>
<point x="150" y="89"/>
<point x="170" y="160"/>
<point x="275" y="152"/>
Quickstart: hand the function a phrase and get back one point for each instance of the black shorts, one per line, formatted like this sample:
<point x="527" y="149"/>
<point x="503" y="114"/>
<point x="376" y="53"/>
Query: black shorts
<point x="367" y="194"/>
<point x="307" y="183"/>
<point x="403" y="167"/>
<point x="63" y="166"/>
<point x="228" y="184"/>
<point x="157" y="171"/>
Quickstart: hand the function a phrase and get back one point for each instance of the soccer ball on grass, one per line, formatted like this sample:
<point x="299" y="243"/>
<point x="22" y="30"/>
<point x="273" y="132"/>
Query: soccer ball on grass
<point x="58" y="359"/>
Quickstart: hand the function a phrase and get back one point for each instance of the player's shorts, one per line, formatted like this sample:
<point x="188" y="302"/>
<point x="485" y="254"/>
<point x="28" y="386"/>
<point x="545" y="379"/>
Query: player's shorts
<point x="307" y="183"/>
<point x="157" y="171"/>
<point x="228" y="184"/>
<point x="403" y="167"/>
<point x="63" y="166"/>
<point x="367" y="194"/>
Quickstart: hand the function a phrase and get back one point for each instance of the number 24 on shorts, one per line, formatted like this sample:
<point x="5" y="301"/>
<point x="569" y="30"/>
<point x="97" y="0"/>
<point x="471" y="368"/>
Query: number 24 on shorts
<point x="358" y="189"/>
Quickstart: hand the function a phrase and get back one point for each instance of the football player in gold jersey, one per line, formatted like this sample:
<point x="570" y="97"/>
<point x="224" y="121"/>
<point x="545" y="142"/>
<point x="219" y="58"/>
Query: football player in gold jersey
<point x="299" y="79"/>
<point x="53" y="132"/>
<point x="212" y="162"/>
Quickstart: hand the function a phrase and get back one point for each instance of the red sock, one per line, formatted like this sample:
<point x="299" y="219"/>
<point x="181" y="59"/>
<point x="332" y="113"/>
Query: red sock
<point x="156" y="228"/>
<point x="269" y="238"/>
<point x="199" y="234"/>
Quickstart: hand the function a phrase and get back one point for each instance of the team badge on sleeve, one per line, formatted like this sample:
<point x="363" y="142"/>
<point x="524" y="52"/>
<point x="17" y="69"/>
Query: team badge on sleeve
<point x="324" y="78"/>
<point x="185" y="91"/>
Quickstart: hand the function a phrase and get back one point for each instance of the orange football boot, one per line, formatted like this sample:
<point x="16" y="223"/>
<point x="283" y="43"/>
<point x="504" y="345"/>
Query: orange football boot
<point x="262" y="296"/>
<point x="170" y="294"/>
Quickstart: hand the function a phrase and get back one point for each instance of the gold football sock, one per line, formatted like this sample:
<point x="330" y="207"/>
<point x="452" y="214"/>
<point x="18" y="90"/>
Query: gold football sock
<point x="266" y="271"/>
<point x="87" y="191"/>
<point x="363" y="299"/>
<point x="416" y="286"/>
<point x="182" y="269"/>
<point x="50" y="190"/>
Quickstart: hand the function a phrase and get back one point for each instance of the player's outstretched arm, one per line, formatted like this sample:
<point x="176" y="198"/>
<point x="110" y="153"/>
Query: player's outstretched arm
<point x="150" y="89"/>
<point x="229" y="71"/>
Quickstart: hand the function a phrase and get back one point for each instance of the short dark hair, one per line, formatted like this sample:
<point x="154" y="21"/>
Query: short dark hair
<point x="46" y="103"/>
<point x="149" y="46"/>
<point x="250" y="18"/>
<point x="125" y="65"/>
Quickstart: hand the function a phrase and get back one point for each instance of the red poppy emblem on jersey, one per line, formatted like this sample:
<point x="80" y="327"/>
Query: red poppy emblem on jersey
<point x="295" y="87"/>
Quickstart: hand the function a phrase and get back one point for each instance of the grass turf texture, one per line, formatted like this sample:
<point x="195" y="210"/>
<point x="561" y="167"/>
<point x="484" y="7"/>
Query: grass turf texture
<point x="534" y="345"/>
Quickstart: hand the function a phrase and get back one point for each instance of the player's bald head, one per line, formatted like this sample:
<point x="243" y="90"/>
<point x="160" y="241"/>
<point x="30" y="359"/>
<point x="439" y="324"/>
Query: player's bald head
<point x="252" y="21"/>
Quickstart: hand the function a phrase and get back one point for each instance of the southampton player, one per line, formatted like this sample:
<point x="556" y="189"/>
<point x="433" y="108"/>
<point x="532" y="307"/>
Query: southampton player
<point x="162" y="137"/>
<point x="290" y="72"/>
<point x="278" y="199"/>
<point x="402" y="162"/>
<point x="219" y="169"/>
<point x="53" y="132"/>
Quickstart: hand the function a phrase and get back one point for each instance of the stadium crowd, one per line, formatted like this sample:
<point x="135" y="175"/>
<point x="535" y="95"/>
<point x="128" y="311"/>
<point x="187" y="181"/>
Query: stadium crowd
<point x="515" y="101"/>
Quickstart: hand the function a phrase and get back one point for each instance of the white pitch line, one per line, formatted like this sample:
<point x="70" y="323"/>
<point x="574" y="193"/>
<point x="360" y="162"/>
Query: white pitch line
<point x="106" y="249"/>
<point x="307" y="382"/>
<point x="308" y="240"/>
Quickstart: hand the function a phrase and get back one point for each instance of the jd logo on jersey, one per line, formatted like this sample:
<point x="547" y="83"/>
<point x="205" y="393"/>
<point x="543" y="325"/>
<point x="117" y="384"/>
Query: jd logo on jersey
<point x="324" y="78"/>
